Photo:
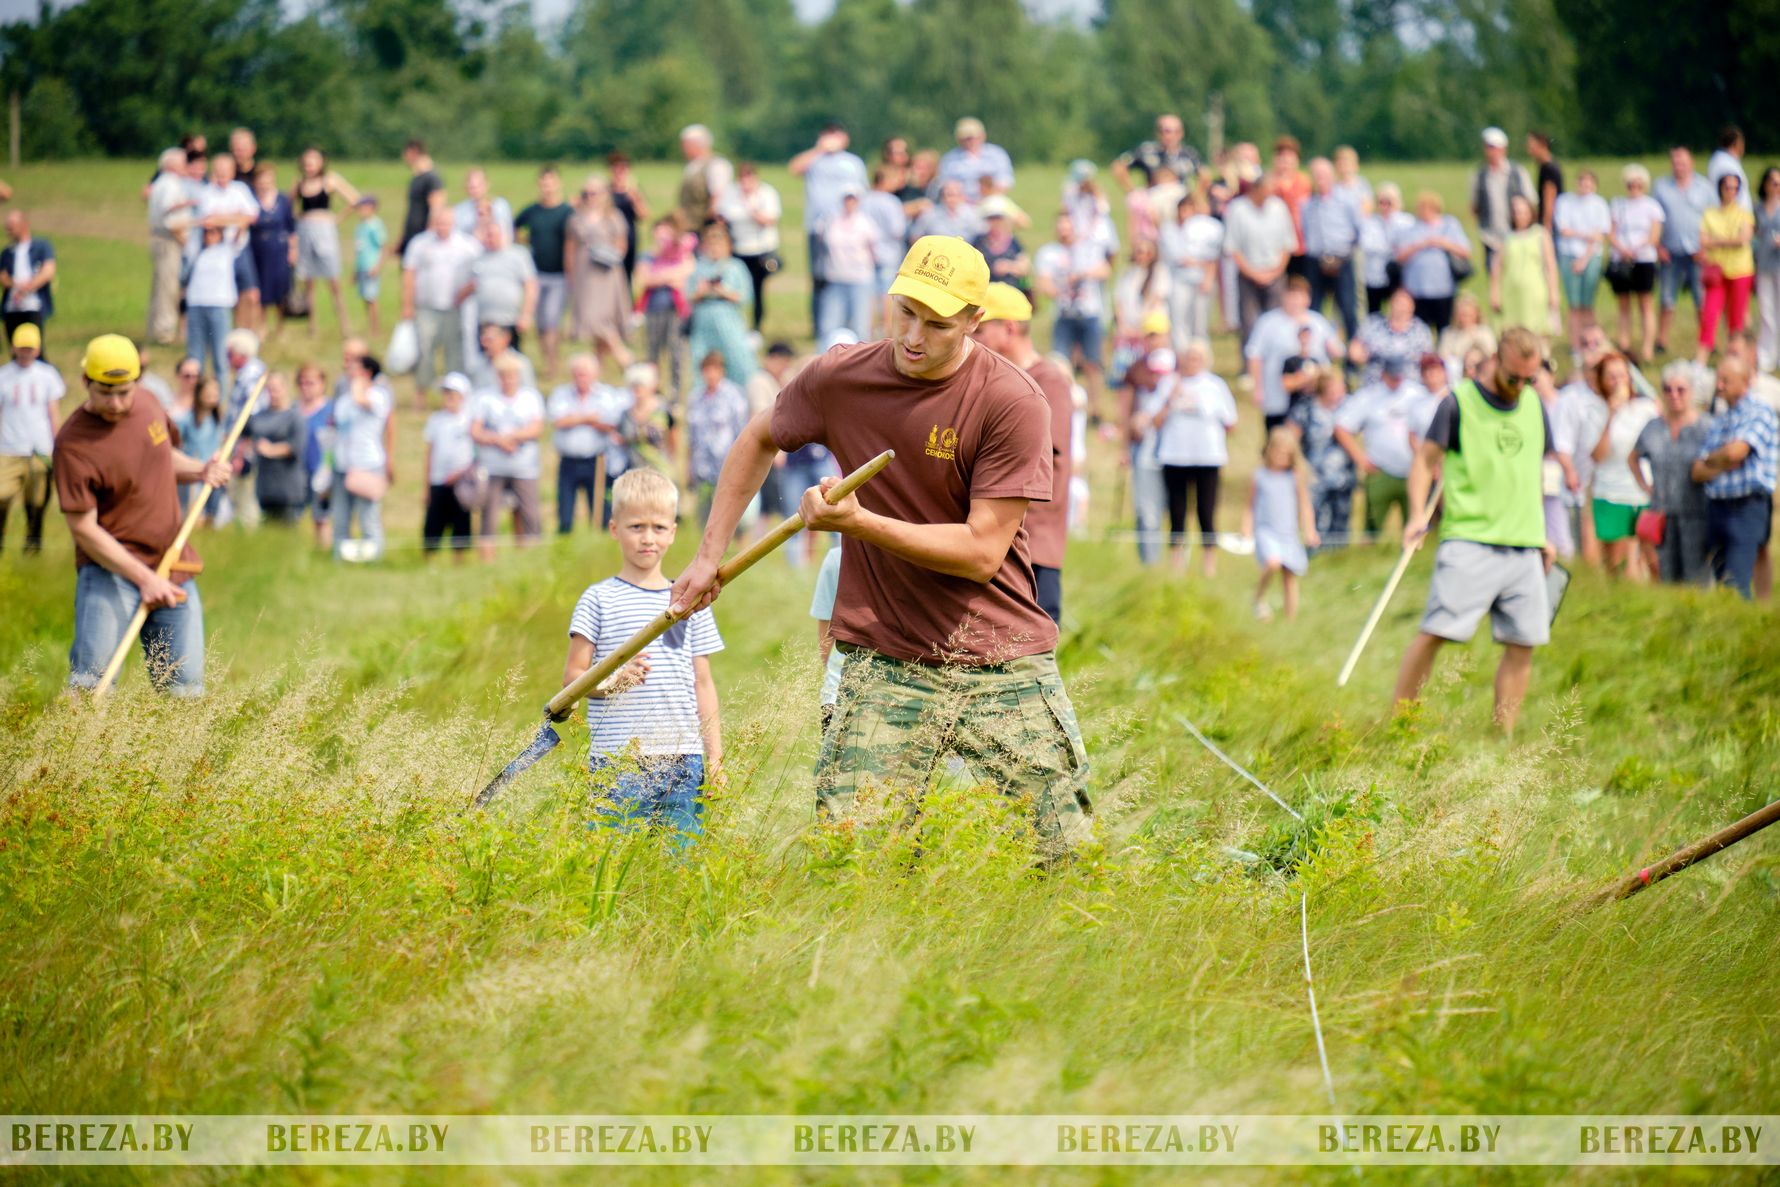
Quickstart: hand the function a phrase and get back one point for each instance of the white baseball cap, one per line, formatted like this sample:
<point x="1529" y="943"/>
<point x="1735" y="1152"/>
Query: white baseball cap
<point x="1495" y="138"/>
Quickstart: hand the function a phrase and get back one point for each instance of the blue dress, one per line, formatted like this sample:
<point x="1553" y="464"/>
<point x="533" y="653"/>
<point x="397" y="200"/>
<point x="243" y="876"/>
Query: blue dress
<point x="269" y="240"/>
<point x="719" y="325"/>
<point x="1277" y="537"/>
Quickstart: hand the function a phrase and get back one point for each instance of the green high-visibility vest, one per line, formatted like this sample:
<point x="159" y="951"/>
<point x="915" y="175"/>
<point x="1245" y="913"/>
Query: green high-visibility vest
<point x="1494" y="488"/>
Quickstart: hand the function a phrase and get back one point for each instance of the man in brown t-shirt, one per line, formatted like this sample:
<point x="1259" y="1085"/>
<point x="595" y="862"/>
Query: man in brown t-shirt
<point x="1006" y="329"/>
<point x="117" y="469"/>
<point x="948" y="651"/>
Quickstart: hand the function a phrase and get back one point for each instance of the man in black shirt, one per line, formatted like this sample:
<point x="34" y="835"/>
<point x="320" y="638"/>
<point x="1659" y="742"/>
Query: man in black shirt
<point x="544" y="225"/>
<point x="425" y="191"/>
<point x="1550" y="181"/>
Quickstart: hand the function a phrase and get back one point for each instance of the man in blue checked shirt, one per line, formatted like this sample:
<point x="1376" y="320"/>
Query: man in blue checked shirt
<point x="1736" y="464"/>
<point x="1331" y="229"/>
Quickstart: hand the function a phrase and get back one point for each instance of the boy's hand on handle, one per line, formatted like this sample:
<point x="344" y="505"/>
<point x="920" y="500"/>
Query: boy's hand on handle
<point x="1414" y="534"/>
<point x="627" y="677"/>
<point x="218" y="471"/>
<point x="819" y="515"/>
<point x="696" y="588"/>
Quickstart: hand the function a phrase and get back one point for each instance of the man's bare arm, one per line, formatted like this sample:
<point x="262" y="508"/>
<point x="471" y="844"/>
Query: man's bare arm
<point x="974" y="549"/>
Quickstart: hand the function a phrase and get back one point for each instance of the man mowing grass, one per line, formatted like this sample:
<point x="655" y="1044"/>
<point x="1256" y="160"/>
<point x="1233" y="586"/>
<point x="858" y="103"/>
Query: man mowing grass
<point x="1493" y="553"/>
<point x="947" y="651"/>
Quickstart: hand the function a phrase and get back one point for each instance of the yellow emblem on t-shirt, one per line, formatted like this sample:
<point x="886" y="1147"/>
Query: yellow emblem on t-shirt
<point x="157" y="432"/>
<point x="942" y="443"/>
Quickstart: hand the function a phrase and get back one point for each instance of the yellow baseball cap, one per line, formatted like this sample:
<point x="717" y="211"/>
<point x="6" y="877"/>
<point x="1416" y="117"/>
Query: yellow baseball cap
<point x="27" y="336"/>
<point x="944" y="273"/>
<point x="1004" y="302"/>
<point x="111" y="358"/>
<point x="1156" y="323"/>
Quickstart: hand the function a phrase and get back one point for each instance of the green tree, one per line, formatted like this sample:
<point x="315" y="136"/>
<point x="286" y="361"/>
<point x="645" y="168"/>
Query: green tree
<point x="1173" y="55"/>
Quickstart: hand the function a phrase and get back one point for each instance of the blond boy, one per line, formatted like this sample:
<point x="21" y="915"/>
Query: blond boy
<point x="655" y="723"/>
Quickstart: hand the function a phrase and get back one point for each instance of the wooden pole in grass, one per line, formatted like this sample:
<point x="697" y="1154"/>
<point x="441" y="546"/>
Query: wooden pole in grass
<point x="1390" y="587"/>
<point x="194" y="513"/>
<point x="1687" y="855"/>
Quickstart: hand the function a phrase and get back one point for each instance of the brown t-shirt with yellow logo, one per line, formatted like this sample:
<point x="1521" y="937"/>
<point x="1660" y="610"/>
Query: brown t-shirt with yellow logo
<point x="983" y="433"/>
<point x="125" y="472"/>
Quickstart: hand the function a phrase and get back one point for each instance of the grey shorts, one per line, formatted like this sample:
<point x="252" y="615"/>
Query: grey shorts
<point x="1471" y="578"/>
<point x="318" y="248"/>
<point x="553" y="297"/>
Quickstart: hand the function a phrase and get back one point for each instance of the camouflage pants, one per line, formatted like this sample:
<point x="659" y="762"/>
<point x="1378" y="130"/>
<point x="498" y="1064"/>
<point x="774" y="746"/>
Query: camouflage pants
<point x="1009" y="726"/>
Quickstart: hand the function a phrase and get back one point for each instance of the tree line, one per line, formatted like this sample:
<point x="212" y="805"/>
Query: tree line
<point x="1399" y="79"/>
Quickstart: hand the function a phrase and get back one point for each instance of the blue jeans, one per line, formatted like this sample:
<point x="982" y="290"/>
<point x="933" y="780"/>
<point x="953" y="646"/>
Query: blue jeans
<point x="1680" y="270"/>
<point x="657" y="789"/>
<point x="796" y="477"/>
<point x="172" y="638"/>
<point x="1070" y="333"/>
<point x="1340" y="286"/>
<point x="844" y="306"/>
<point x="205" y="328"/>
<point x="1735" y="531"/>
<point x="345" y="505"/>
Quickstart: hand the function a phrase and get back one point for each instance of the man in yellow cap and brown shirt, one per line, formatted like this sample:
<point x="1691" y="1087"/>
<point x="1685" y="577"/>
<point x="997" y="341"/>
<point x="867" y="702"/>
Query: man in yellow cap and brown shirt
<point x="117" y="469"/>
<point x="30" y="389"/>
<point x="947" y="651"/>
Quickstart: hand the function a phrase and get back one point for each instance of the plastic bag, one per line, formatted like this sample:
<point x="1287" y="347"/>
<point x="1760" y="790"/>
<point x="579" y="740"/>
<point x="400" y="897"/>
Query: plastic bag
<point x="403" y="354"/>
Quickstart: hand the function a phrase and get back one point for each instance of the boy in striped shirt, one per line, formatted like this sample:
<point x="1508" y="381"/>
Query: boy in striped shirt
<point x="653" y="728"/>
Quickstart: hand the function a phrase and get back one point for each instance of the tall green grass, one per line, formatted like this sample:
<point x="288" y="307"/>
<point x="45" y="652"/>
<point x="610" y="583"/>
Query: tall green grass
<point x="269" y="900"/>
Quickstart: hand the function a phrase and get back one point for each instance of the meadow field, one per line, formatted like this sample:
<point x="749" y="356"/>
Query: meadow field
<point x="269" y="901"/>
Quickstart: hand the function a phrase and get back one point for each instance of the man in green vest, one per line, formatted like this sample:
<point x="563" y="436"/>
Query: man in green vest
<point x="1493" y="554"/>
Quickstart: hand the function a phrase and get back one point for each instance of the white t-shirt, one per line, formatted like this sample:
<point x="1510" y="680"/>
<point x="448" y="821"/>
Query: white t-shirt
<point x="1260" y="236"/>
<point x="661" y="714"/>
<point x="1273" y="341"/>
<point x="358" y="432"/>
<point x="1085" y="297"/>
<point x="212" y="280"/>
<point x="26" y="396"/>
<point x="441" y="267"/>
<point x="497" y="413"/>
<point x="852" y="247"/>
<point x="607" y="403"/>
<point x="1192" y="244"/>
<point x="234" y="198"/>
<point x="1197" y="417"/>
<point x="1422" y="408"/>
<point x="448" y="433"/>
<point x="1639" y="220"/>
<point x="1613" y="477"/>
<point x="1382" y="419"/>
<point x="1581" y="415"/>
<point x="1579" y="215"/>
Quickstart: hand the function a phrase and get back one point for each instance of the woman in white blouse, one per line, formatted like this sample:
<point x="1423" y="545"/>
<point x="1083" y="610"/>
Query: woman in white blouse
<point x="1637" y="232"/>
<point x="1582" y="223"/>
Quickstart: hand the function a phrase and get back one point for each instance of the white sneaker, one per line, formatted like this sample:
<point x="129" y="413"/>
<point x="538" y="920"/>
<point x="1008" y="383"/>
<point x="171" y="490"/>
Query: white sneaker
<point x="1263" y="612"/>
